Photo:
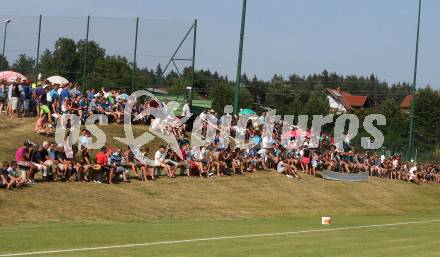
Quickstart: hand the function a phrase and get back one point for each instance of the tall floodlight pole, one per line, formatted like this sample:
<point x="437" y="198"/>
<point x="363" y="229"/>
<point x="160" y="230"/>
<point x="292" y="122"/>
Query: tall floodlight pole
<point x="240" y="57"/>
<point x="413" y="90"/>
<point x="4" y="42"/>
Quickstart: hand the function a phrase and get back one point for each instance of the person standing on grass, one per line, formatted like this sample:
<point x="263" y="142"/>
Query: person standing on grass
<point x="305" y="160"/>
<point x="2" y="94"/>
<point x="27" y="95"/>
<point x="36" y="96"/>
<point x="44" y="108"/>
<point x="15" y="96"/>
<point x="9" y="99"/>
<point x="186" y="111"/>
<point x="314" y="163"/>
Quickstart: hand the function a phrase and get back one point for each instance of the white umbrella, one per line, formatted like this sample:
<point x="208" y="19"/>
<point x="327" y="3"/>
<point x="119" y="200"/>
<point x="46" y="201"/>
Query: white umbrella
<point x="123" y="96"/>
<point x="57" y="80"/>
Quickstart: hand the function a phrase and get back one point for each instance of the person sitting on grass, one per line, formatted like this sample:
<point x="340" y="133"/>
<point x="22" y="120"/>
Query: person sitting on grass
<point x="284" y="167"/>
<point x="62" y="164"/>
<point x="23" y="158"/>
<point x="173" y="161"/>
<point x="159" y="160"/>
<point x="129" y="160"/>
<point x="43" y="127"/>
<point x="413" y="174"/>
<point x="185" y="161"/>
<point x="147" y="166"/>
<point x="81" y="162"/>
<point x="14" y="176"/>
<point x="115" y="167"/>
<point x="39" y="158"/>
<point x="5" y="181"/>
<point x="52" y="161"/>
<point x="101" y="159"/>
<point x="314" y="164"/>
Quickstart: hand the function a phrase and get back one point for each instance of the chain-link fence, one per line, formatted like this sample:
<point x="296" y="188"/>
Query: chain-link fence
<point x="122" y="52"/>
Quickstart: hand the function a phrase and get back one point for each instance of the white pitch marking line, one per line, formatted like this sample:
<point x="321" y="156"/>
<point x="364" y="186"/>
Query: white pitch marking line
<point x="214" y="238"/>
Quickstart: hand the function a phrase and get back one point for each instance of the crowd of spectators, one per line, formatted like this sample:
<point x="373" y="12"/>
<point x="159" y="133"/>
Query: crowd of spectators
<point x="220" y="156"/>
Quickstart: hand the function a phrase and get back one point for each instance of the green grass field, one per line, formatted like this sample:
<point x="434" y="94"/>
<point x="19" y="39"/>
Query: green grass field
<point x="420" y="239"/>
<point x="230" y="216"/>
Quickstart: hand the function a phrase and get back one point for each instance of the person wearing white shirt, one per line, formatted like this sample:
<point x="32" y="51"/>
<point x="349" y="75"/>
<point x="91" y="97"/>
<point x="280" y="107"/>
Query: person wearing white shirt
<point x="280" y="167"/>
<point x="10" y="91"/>
<point x="382" y="158"/>
<point x="9" y="108"/>
<point x="59" y="90"/>
<point x="49" y="96"/>
<point x="159" y="160"/>
<point x="395" y="163"/>
<point x="266" y="141"/>
<point x="413" y="174"/>
<point x="186" y="111"/>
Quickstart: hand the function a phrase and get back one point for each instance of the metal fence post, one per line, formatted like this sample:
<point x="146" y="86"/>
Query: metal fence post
<point x="193" y="62"/>
<point x="38" y="48"/>
<point x="85" y="53"/>
<point x="135" y="53"/>
<point x="413" y="90"/>
<point x="240" y="56"/>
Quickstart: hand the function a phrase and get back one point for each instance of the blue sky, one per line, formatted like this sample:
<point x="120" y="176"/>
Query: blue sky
<point x="282" y="36"/>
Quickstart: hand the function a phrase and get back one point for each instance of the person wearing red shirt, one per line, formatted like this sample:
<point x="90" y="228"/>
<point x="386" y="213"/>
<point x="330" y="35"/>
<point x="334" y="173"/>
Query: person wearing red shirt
<point x="101" y="159"/>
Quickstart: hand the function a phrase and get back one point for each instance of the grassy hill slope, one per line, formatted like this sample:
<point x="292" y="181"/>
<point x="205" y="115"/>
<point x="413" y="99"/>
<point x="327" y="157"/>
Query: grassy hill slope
<point x="253" y="195"/>
<point x="264" y="194"/>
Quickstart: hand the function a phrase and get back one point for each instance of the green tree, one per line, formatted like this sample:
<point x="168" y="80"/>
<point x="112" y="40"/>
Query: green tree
<point x="223" y="94"/>
<point x="94" y="53"/>
<point x="65" y="59"/>
<point x="24" y="65"/>
<point x="395" y="132"/>
<point x="317" y="105"/>
<point x="158" y="73"/>
<point x="46" y="67"/>
<point x="426" y="117"/>
<point x="111" y="72"/>
<point x="4" y="64"/>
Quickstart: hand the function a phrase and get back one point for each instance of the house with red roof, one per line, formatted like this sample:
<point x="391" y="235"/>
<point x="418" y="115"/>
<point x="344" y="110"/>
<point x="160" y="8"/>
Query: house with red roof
<point x="343" y="102"/>
<point x="406" y="104"/>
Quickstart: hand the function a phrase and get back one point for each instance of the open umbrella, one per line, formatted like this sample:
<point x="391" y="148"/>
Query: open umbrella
<point x="11" y="76"/>
<point x="247" y="112"/>
<point x="57" y="80"/>
<point x="123" y="96"/>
